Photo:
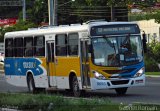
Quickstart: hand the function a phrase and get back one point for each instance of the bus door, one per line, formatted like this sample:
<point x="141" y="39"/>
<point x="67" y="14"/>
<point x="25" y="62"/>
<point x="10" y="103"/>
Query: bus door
<point x="84" y="63"/>
<point x="51" y="63"/>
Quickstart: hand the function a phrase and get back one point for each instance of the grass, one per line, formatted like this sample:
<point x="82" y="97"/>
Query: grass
<point x="43" y="102"/>
<point x="153" y="73"/>
<point x="54" y="102"/>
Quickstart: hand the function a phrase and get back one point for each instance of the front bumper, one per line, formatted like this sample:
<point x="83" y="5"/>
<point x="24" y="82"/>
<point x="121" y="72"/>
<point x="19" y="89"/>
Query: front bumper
<point x="117" y="83"/>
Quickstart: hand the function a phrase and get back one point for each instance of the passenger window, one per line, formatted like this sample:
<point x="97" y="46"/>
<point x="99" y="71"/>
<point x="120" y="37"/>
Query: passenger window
<point x="9" y="48"/>
<point x="39" y="43"/>
<point x="61" y="45"/>
<point x="18" y="49"/>
<point x="73" y="44"/>
<point x="28" y="46"/>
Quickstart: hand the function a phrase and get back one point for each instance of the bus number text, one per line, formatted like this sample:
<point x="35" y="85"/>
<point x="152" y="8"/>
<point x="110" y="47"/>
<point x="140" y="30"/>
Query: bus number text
<point x="28" y="65"/>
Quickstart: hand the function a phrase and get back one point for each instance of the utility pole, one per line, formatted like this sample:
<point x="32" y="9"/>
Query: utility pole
<point x="112" y="13"/>
<point x="24" y="9"/>
<point x="55" y="12"/>
<point x="51" y="12"/>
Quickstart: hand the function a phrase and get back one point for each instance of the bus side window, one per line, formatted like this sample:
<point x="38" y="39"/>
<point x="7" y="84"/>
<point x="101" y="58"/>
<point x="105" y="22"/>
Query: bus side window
<point x="73" y="44"/>
<point x="18" y="49"/>
<point x="28" y="46"/>
<point x="39" y="49"/>
<point x="61" y="45"/>
<point x="9" y="47"/>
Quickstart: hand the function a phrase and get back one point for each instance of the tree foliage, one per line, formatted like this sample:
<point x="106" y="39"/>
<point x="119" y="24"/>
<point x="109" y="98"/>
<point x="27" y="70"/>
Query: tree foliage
<point x="156" y="16"/>
<point x="152" y="56"/>
<point x="146" y="16"/>
<point x="39" y="11"/>
<point x="154" y="50"/>
<point x="21" y="25"/>
<point x="103" y="2"/>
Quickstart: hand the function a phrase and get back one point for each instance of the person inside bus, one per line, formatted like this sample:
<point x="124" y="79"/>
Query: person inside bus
<point x="29" y="51"/>
<point x="125" y="47"/>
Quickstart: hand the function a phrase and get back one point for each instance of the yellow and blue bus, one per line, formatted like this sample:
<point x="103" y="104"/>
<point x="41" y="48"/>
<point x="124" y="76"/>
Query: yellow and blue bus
<point x="92" y="56"/>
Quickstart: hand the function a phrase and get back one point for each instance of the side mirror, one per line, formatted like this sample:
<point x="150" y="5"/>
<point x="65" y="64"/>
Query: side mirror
<point x="144" y="40"/>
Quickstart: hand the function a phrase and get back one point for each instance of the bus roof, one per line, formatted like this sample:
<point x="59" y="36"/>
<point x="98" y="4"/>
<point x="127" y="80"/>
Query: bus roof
<point x="39" y="31"/>
<point x="60" y="29"/>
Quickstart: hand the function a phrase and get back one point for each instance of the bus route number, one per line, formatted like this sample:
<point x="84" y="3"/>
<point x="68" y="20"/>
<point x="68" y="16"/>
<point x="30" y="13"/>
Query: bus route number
<point x="28" y="65"/>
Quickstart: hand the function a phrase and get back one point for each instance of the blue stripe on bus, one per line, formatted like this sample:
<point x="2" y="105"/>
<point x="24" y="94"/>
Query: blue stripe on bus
<point x="136" y="68"/>
<point x="19" y="66"/>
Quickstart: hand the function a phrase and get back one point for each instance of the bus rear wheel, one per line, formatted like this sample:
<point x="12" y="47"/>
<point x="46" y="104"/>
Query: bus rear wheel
<point x="75" y="87"/>
<point x="31" y="84"/>
<point x="121" y="91"/>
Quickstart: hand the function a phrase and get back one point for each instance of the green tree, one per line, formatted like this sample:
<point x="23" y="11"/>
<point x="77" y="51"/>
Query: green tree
<point x="103" y="2"/>
<point x="152" y="56"/>
<point x="154" y="50"/>
<point x="156" y="16"/>
<point x="21" y="25"/>
<point x="37" y="11"/>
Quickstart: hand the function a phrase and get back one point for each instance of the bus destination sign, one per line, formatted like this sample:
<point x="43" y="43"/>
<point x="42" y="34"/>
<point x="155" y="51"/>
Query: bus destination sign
<point x="114" y="29"/>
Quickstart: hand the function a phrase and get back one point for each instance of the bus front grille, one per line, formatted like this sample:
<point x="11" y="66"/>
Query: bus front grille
<point x="120" y="82"/>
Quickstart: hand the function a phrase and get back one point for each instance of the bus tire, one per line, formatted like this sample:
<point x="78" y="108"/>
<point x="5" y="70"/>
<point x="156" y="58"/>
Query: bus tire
<point x="31" y="84"/>
<point x="121" y="91"/>
<point x="75" y="87"/>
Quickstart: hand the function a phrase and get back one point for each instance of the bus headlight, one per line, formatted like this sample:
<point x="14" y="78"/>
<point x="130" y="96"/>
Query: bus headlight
<point x="140" y="72"/>
<point x="97" y="75"/>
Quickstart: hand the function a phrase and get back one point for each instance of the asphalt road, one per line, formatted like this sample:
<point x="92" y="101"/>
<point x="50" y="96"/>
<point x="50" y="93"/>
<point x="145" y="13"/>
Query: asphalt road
<point x="146" y="94"/>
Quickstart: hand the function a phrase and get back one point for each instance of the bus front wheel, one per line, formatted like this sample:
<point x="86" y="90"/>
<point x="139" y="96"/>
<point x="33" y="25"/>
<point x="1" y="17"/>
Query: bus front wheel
<point x="121" y="91"/>
<point x="31" y="85"/>
<point x="75" y="87"/>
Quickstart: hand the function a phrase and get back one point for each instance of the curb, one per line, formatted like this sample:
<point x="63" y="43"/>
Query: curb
<point x="155" y="76"/>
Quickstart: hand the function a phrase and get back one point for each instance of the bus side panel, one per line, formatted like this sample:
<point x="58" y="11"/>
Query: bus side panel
<point x="64" y="66"/>
<point x="16" y="70"/>
<point x="41" y="80"/>
<point x="12" y="73"/>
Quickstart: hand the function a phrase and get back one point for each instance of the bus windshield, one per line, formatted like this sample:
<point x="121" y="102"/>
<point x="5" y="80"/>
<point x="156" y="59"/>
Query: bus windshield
<point x="117" y="50"/>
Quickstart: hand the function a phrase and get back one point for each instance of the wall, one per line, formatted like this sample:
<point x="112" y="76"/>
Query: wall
<point x="151" y="28"/>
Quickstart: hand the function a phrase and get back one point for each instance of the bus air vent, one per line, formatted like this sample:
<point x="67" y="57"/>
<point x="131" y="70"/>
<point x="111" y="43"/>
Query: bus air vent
<point x="120" y="82"/>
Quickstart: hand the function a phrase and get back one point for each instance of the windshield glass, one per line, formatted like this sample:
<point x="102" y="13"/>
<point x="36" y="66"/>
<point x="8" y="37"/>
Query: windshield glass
<point x="117" y="51"/>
